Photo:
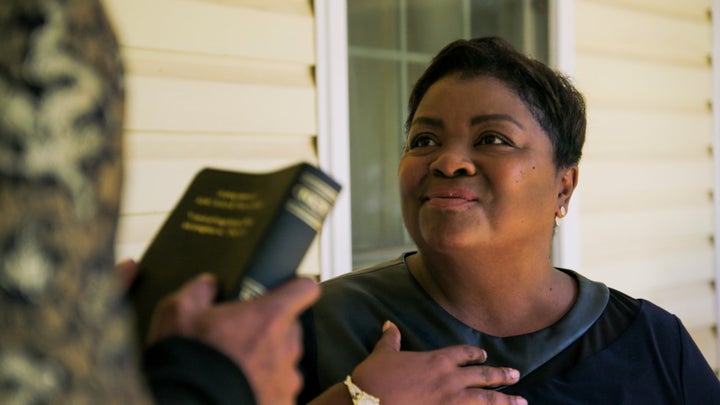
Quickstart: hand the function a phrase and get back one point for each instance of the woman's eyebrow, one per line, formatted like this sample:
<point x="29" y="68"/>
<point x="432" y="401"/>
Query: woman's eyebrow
<point x="431" y="122"/>
<point x="479" y="119"/>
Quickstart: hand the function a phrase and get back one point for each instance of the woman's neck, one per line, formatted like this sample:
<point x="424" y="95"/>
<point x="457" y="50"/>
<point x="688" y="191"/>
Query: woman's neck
<point x="499" y="295"/>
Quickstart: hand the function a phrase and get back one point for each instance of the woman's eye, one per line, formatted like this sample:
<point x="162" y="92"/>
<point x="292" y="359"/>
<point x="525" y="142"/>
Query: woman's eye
<point x="492" y="139"/>
<point x="421" y="141"/>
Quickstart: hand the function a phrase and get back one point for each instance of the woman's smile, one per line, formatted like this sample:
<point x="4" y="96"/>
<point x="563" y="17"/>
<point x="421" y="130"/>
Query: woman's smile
<point x="450" y="198"/>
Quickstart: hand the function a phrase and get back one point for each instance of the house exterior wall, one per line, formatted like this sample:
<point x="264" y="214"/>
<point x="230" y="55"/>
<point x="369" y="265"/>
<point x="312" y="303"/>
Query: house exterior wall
<point x="646" y="179"/>
<point x="220" y="83"/>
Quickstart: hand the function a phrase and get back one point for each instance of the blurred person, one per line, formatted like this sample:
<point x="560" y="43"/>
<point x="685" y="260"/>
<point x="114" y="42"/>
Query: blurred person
<point x="65" y="336"/>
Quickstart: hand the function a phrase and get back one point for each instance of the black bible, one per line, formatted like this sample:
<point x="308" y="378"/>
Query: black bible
<point x="251" y="230"/>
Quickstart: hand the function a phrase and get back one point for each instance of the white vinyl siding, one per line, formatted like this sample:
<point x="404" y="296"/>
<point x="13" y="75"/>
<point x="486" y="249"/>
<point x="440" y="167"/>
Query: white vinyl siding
<point x="219" y="83"/>
<point x="646" y="179"/>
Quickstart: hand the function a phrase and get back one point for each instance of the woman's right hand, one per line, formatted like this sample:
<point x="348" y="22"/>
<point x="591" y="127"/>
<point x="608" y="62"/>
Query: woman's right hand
<point x="451" y="375"/>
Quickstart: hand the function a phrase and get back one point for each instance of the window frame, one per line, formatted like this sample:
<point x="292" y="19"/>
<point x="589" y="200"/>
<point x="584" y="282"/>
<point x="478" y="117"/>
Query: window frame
<point x="331" y="75"/>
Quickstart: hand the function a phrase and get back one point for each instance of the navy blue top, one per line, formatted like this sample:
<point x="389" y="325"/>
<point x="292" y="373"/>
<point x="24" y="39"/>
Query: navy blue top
<point x="609" y="348"/>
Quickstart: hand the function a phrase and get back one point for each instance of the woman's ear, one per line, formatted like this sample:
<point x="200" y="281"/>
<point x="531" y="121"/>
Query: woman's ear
<point x="567" y="182"/>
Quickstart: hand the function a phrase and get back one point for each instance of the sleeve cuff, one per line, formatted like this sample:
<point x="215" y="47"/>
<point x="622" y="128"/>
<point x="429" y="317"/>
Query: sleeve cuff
<point x="185" y="371"/>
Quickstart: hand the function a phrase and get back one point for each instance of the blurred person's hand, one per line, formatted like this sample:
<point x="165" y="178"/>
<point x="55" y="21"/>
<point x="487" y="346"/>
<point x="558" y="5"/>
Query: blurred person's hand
<point x="262" y="336"/>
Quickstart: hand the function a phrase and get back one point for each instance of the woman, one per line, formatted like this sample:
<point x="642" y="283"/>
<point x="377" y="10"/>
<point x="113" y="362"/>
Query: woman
<point x="490" y="161"/>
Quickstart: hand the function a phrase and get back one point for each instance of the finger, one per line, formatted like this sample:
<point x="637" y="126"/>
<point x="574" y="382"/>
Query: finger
<point x="497" y="398"/>
<point x="294" y="296"/>
<point x="294" y="342"/>
<point x="390" y="338"/>
<point x="295" y="384"/>
<point x="199" y="291"/>
<point x="488" y="376"/>
<point x="126" y="271"/>
<point x="465" y="355"/>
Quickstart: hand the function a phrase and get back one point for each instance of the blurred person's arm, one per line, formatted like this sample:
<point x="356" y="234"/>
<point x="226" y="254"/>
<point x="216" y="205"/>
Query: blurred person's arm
<point x="204" y="352"/>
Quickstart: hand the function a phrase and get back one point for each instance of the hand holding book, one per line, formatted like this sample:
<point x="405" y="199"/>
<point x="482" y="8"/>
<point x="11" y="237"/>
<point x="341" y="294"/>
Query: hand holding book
<point x="249" y="229"/>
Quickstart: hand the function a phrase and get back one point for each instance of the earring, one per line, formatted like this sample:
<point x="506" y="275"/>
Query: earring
<point x="559" y="215"/>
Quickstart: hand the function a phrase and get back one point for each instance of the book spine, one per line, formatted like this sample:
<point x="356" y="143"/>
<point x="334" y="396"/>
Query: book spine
<point x="291" y="233"/>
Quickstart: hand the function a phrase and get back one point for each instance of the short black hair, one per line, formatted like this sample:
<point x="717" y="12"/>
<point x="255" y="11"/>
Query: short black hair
<point x="550" y="96"/>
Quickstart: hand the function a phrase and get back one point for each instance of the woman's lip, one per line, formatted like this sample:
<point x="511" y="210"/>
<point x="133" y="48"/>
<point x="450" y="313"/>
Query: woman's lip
<point x="445" y="202"/>
<point x="450" y="198"/>
<point x="451" y="194"/>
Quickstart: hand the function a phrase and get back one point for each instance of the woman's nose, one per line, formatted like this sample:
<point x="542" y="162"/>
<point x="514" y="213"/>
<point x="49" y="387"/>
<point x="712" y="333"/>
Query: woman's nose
<point x="452" y="163"/>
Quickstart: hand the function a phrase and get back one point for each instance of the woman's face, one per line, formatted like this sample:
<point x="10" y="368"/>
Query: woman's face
<point x="478" y="170"/>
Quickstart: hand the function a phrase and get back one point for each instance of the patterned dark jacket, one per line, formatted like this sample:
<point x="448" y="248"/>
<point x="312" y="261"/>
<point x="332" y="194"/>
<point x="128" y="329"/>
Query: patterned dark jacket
<point x="63" y="330"/>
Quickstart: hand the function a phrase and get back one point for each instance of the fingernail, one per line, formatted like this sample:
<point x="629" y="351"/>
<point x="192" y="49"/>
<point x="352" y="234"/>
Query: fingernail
<point x="204" y="281"/>
<point x="386" y="325"/>
<point x="514" y="374"/>
<point x="205" y="278"/>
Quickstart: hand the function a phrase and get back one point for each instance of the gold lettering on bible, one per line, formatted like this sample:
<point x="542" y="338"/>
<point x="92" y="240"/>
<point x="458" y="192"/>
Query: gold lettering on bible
<point x="231" y="200"/>
<point x="217" y="225"/>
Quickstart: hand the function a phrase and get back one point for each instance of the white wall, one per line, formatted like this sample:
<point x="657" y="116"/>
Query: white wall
<point x="647" y="214"/>
<point x="218" y="83"/>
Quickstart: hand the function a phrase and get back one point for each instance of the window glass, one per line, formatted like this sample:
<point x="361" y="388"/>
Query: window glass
<point x="374" y="25"/>
<point x="432" y="24"/>
<point x="374" y="113"/>
<point x="390" y="44"/>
